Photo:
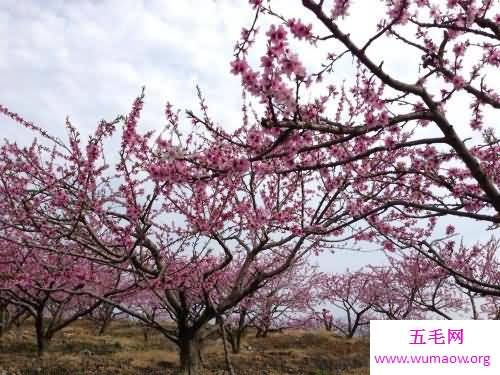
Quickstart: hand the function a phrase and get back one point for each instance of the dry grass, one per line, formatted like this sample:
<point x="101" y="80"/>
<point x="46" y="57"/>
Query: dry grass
<point x="77" y="351"/>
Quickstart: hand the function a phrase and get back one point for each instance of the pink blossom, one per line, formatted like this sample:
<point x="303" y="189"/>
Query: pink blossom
<point x="292" y="65"/>
<point x="458" y="82"/>
<point x="255" y="3"/>
<point x="422" y="3"/>
<point x="299" y="29"/>
<point x="370" y="119"/>
<point x="240" y="165"/>
<point x="476" y="124"/>
<point x="389" y="142"/>
<point x="267" y="62"/>
<point x="493" y="56"/>
<point x="255" y="138"/>
<point x="276" y="35"/>
<point x="60" y="198"/>
<point x="435" y="12"/>
<point x="399" y="12"/>
<point x="239" y="66"/>
<point x="459" y="49"/>
<point x="340" y="8"/>
<point x="383" y="118"/>
<point x="389" y="246"/>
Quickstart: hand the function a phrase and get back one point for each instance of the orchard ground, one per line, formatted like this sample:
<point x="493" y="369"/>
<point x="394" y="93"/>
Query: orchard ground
<point x="123" y="350"/>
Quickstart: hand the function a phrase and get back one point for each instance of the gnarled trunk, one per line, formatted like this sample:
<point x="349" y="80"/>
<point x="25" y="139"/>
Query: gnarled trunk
<point x="103" y="327"/>
<point x="220" y="322"/>
<point x="104" y="316"/>
<point x="41" y="339"/>
<point x="234" y="338"/>
<point x="4" y="319"/>
<point x="234" y="335"/>
<point x="189" y="352"/>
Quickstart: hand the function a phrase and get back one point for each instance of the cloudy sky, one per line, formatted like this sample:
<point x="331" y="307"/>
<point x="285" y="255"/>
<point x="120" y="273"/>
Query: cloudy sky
<point x="89" y="59"/>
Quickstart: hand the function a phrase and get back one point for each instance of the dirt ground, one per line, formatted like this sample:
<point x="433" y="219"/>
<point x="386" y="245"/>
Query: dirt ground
<point x="77" y="350"/>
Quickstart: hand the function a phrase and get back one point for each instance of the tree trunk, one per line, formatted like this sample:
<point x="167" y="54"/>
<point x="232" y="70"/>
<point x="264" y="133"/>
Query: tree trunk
<point x="103" y="327"/>
<point x="189" y="352"/>
<point x="41" y="340"/>
<point x="235" y="335"/>
<point x="4" y="318"/>
<point x="234" y="338"/>
<point x="229" y="365"/>
<point x="262" y="332"/>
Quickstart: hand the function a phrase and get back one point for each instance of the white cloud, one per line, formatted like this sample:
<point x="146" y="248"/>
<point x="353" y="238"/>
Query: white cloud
<point x="89" y="59"/>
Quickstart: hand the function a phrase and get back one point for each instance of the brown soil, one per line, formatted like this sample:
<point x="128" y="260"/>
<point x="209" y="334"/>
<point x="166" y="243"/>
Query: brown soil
<point x="77" y="350"/>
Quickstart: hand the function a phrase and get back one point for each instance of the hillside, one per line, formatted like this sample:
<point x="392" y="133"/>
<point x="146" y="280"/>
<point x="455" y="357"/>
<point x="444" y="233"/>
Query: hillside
<point x="123" y="350"/>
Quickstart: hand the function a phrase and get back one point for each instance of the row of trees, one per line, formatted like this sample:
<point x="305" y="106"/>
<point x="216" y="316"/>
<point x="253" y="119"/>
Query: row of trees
<point x="53" y="292"/>
<point x="301" y="297"/>
<point x="204" y="224"/>
<point x="410" y="287"/>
